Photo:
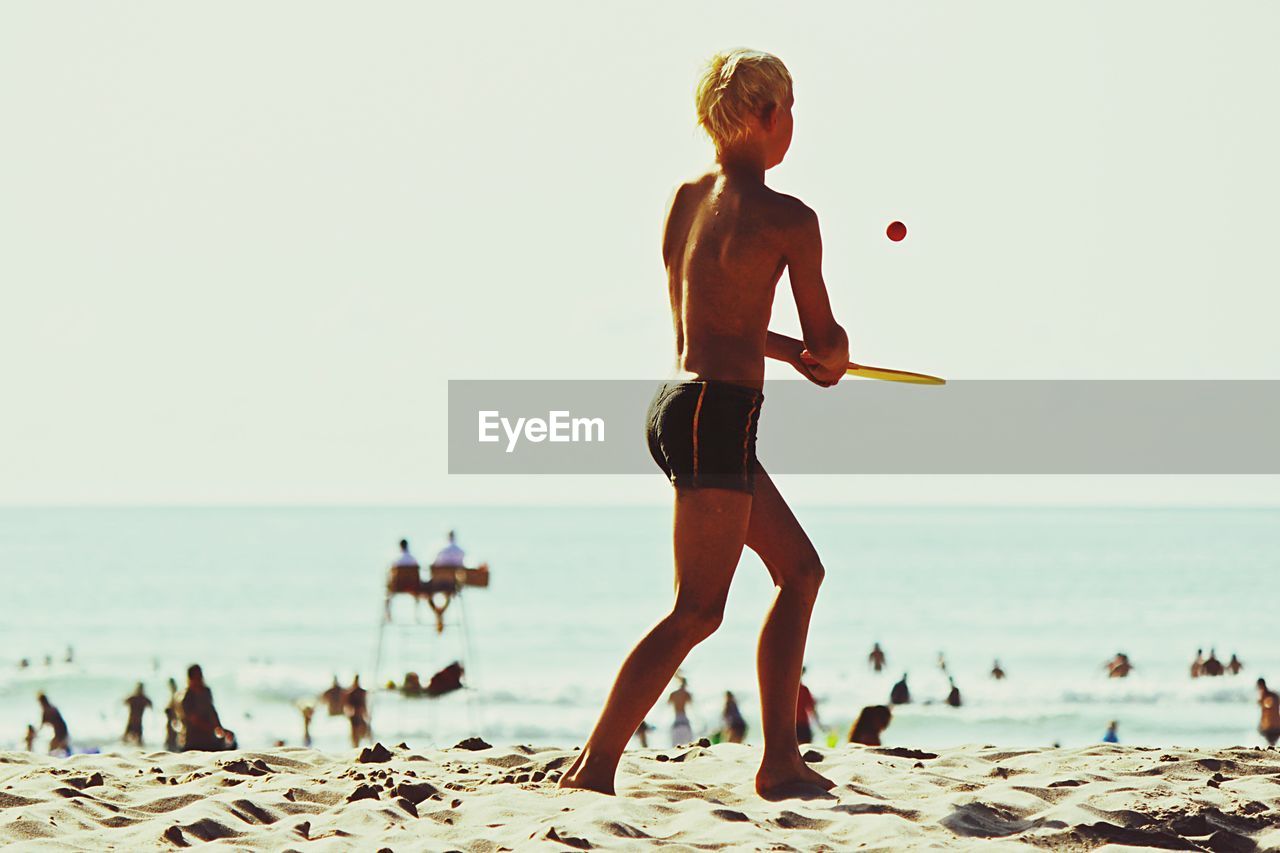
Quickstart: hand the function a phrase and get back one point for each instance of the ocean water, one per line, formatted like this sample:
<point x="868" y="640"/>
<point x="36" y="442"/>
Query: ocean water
<point x="273" y="602"/>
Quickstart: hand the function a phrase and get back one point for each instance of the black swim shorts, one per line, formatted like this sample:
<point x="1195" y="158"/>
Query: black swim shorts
<point x="702" y="433"/>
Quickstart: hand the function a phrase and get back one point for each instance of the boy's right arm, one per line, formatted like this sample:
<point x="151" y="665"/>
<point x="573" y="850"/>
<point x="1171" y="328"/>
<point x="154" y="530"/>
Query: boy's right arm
<point x="825" y="340"/>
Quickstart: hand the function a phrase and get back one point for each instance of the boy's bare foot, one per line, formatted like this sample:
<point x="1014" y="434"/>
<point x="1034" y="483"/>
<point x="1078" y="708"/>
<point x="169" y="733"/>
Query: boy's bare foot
<point x="576" y="777"/>
<point x="794" y="788"/>
<point x="802" y="783"/>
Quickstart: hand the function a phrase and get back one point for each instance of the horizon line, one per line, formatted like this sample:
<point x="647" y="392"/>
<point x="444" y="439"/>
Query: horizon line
<point x="640" y="505"/>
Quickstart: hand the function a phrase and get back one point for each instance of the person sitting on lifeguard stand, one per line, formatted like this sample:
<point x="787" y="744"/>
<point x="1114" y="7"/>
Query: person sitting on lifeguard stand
<point x="404" y="576"/>
<point x="450" y="556"/>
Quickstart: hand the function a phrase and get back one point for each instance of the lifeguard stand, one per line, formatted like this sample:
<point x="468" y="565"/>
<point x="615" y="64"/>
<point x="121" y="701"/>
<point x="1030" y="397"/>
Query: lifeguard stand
<point x="421" y="641"/>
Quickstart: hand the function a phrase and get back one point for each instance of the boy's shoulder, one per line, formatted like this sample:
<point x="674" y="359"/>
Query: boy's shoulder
<point x="693" y="188"/>
<point x="790" y="211"/>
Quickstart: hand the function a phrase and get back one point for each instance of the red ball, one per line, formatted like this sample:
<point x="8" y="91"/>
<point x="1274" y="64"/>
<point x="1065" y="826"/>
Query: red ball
<point x="896" y="231"/>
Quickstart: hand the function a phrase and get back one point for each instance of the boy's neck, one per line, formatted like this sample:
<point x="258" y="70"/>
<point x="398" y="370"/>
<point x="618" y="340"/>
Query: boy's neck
<point x="742" y="165"/>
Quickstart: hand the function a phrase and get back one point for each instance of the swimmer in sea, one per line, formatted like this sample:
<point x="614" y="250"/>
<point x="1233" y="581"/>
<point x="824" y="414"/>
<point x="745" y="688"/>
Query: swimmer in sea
<point x="1119" y="666"/>
<point x="334" y="697"/>
<point x="1212" y="666"/>
<point x="1269" y="724"/>
<point x="806" y="711"/>
<point x="201" y="726"/>
<point x="60" y="743"/>
<point x="307" y="710"/>
<point x="172" y="719"/>
<point x="355" y="704"/>
<point x="138" y="702"/>
<point x="900" y="695"/>
<point x="871" y="723"/>
<point x="735" y="727"/>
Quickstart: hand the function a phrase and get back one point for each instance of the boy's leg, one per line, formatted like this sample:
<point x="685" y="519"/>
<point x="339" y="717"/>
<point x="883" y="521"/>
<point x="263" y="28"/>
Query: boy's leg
<point x="710" y="529"/>
<point x="781" y="543"/>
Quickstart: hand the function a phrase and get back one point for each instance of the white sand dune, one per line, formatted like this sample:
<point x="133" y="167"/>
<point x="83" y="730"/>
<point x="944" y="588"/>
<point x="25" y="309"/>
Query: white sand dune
<point x="695" y="798"/>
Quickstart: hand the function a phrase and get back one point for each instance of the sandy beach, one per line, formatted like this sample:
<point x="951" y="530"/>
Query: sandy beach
<point x="697" y="797"/>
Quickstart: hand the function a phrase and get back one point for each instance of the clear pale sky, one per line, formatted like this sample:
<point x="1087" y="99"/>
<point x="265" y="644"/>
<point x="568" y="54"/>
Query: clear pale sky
<point x="245" y="245"/>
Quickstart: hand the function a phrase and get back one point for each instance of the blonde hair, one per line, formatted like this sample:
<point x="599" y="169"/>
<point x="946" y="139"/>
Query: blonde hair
<point x="736" y="85"/>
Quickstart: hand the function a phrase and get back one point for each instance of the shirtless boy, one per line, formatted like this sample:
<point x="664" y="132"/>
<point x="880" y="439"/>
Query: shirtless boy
<point x="727" y="240"/>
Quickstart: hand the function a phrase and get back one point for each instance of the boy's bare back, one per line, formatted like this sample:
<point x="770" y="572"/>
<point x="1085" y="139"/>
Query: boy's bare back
<point x="726" y="243"/>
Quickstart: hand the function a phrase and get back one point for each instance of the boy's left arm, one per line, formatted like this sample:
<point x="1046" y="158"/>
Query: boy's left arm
<point x="784" y="349"/>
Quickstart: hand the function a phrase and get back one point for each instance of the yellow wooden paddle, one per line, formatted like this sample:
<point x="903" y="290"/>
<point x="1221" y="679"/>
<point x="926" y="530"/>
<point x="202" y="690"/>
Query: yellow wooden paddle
<point x="868" y="372"/>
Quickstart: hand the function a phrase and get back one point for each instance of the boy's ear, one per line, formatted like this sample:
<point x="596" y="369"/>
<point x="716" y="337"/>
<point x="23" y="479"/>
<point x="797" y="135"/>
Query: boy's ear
<point x="769" y="117"/>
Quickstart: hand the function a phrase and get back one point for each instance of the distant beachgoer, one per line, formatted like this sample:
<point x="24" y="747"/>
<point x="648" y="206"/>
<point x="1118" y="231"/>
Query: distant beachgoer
<point x="876" y="658"/>
<point x="308" y="710"/>
<point x="900" y="695"/>
<point x="50" y="716"/>
<point x="735" y="727"/>
<point x="450" y="555"/>
<point x="1269" y="702"/>
<point x="70" y="656"/>
<point x="1111" y="736"/>
<point x="172" y="718"/>
<point x="31" y="737"/>
<point x="138" y="703"/>
<point x="953" y="698"/>
<point x="1119" y="666"/>
<point x="1197" y="665"/>
<point x="806" y="710"/>
<point x="25" y="663"/>
<point x="642" y="733"/>
<point x="997" y="671"/>
<point x="412" y="685"/>
<point x="355" y="704"/>
<point x="1234" y="665"/>
<point x="680" y="699"/>
<point x="942" y="662"/>
<point x="446" y="680"/>
<point x="335" y="698"/>
<point x="871" y="723"/>
<point x="1212" y="666"/>
<point x="201" y="727"/>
